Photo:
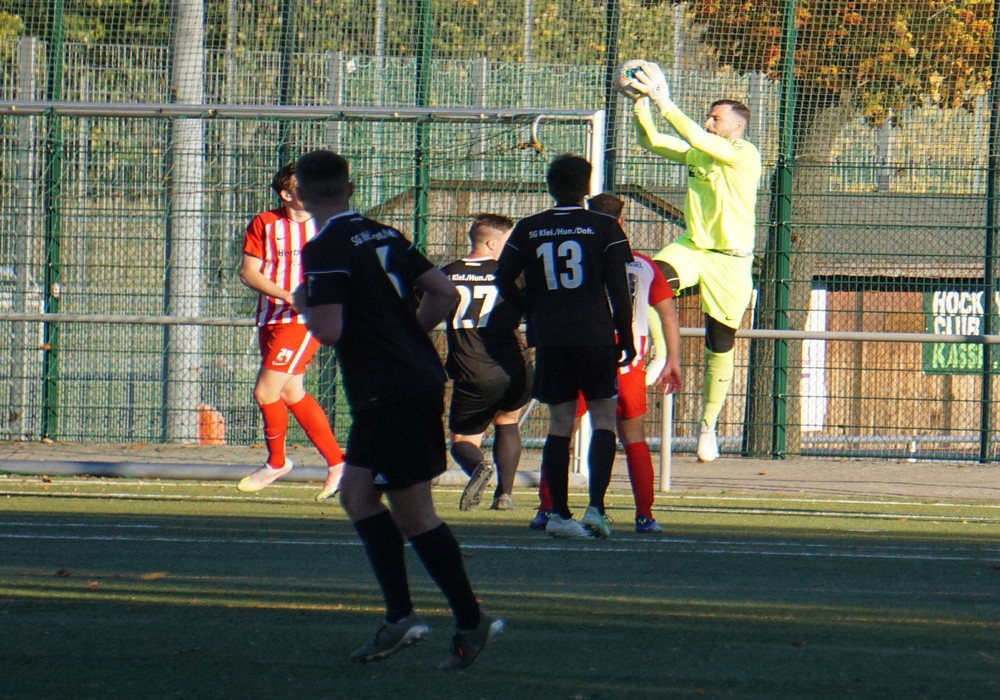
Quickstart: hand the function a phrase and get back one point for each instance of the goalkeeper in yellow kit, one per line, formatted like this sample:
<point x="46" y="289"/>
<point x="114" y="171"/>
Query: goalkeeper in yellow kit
<point x="716" y="250"/>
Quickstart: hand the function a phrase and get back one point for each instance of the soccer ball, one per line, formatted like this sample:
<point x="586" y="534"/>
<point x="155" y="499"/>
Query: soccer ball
<point x="623" y="78"/>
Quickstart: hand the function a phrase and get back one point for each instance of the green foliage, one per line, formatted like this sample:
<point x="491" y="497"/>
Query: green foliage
<point x="562" y="31"/>
<point x="889" y="54"/>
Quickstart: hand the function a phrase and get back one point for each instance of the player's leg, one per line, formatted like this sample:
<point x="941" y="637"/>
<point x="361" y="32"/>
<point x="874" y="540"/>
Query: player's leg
<point x="311" y="416"/>
<point x="382" y="540"/>
<point x="507" y="435"/>
<point x="600" y="390"/>
<point x="307" y="411"/>
<point x="407" y="465"/>
<point x="556" y="384"/>
<point x="544" y="512"/>
<point x="467" y="452"/>
<point x="720" y="366"/>
<point x="555" y="470"/>
<point x="267" y="393"/>
<point x="473" y="406"/>
<point x="506" y="457"/>
<point x="631" y="412"/>
<point x="680" y="264"/>
<point x="271" y="379"/>
<point x="726" y="288"/>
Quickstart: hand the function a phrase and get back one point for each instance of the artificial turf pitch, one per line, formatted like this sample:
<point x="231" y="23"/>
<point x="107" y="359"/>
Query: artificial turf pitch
<point x="120" y="588"/>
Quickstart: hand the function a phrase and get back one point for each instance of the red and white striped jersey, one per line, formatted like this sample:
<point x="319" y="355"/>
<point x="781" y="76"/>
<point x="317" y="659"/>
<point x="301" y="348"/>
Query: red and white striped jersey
<point x="277" y="241"/>
<point x="648" y="287"/>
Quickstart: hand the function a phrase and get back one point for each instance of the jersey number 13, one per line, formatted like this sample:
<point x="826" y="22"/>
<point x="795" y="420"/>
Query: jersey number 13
<point x="563" y="264"/>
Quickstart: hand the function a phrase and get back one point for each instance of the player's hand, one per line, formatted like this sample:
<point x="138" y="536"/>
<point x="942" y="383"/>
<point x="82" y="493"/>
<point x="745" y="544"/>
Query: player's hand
<point x="626" y="353"/>
<point x="654" y="368"/>
<point x="641" y="109"/>
<point x="669" y="379"/>
<point x="650" y="81"/>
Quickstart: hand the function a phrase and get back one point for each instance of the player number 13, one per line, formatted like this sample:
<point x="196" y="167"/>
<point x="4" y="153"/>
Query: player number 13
<point x="569" y="255"/>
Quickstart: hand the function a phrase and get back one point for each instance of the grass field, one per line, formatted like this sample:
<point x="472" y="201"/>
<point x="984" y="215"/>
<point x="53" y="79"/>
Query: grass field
<point x="120" y="588"/>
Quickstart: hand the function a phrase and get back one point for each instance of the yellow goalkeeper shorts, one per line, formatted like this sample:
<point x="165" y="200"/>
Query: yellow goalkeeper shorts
<point x="724" y="279"/>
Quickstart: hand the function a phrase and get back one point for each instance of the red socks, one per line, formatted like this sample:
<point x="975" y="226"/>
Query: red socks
<point x="640" y="474"/>
<point x="314" y="422"/>
<point x="275" y="429"/>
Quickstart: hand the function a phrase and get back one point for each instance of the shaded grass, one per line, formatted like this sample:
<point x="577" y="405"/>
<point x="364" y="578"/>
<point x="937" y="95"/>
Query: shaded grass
<point x="121" y="588"/>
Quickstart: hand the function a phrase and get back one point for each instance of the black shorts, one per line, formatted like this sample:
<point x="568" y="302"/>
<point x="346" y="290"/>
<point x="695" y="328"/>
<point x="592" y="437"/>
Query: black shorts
<point x="564" y="372"/>
<point x="402" y="443"/>
<point x="474" y="405"/>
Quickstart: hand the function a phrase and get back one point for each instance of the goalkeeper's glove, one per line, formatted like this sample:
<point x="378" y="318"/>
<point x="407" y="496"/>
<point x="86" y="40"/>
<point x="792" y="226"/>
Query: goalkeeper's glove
<point x="650" y="81"/>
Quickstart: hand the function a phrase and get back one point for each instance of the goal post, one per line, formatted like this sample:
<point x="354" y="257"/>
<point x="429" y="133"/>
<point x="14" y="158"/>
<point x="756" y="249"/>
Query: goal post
<point x="128" y="363"/>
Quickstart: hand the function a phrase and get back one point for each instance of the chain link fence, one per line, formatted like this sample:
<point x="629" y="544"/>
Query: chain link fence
<point x="876" y="212"/>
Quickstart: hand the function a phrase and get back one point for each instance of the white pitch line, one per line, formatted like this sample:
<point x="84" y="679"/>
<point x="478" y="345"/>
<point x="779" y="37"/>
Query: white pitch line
<point x="683" y="546"/>
<point x="666" y="502"/>
<point x="829" y="513"/>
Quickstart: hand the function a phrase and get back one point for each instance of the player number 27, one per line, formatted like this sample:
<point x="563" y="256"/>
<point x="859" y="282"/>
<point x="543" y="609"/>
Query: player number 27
<point x="485" y="292"/>
<point x="569" y="255"/>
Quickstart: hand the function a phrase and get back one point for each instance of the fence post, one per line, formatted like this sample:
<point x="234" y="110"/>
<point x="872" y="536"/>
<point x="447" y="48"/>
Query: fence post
<point x="53" y="227"/>
<point x="783" y="239"/>
<point x="422" y="146"/>
<point x="26" y="353"/>
<point x="989" y="254"/>
<point x="612" y="101"/>
<point x="182" y="359"/>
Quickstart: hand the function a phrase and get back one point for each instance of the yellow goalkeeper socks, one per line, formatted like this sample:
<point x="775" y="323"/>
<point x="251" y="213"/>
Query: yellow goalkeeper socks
<point x="719" y="367"/>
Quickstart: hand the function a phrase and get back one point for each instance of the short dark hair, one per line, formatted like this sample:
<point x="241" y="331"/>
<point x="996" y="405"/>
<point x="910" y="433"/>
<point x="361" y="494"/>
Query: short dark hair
<point x="568" y="178"/>
<point x="323" y="176"/>
<point x="284" y="179"/>
<point x="606" y="203"/>
<point x="484" y="224"/>
<point x="741" y="109"/>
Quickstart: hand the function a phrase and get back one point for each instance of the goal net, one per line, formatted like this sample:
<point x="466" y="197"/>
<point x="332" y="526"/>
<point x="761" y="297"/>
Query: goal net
<point x="124" y="312"/>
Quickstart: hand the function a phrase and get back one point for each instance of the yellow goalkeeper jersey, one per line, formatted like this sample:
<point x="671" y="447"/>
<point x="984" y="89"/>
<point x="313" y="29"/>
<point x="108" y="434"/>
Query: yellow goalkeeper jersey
<point x="723" y="175"/>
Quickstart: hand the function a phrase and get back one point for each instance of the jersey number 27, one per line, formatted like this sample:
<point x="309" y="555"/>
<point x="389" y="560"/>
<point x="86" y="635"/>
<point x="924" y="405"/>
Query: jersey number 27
<point x="466" y="315"/>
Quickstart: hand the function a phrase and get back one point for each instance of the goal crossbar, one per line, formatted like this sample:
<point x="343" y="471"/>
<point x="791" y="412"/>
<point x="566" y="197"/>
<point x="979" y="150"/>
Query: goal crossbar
<point x="311" y="112"/>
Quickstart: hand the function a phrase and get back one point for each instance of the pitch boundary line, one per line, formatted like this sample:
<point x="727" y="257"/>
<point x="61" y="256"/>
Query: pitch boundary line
<point x="922" y="501"/>
<point x="674" y="546"/>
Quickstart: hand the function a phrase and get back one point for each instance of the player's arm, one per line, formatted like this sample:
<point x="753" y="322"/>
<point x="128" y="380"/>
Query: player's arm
<point x="251" y="276"/>
<point x="318" y="299"/>
<point x="616" y="283"/>
<point x="438" y="297"/>
<point x="719" y="148"/>
<point x="669" y="147"/>
<point x="508" y="270"/>
<point x="669" y="378"/>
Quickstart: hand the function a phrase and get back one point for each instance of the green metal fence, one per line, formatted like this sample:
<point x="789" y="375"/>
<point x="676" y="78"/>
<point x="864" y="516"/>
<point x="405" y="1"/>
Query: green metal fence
<point x="877" y="123"/>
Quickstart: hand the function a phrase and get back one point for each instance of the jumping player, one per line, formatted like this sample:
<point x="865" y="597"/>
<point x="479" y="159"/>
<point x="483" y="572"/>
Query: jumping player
<point x="650" y="292"/>
<point x="716" y="250"/>
<point x="573" y="261"/>
<point x="362" y="282"/>
<point x="489" y="366"/>
<point x="271" y="266"/>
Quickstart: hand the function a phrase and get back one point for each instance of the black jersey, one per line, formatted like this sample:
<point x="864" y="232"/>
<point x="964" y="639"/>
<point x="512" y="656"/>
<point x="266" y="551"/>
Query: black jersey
<point x="484" y="341"/>
<point x="566" y="254"/>
<point x="370" y="268"/>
